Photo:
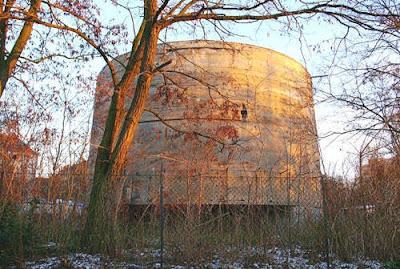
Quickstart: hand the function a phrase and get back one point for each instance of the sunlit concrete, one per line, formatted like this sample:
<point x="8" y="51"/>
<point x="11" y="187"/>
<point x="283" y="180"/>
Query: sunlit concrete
<point x="247" y="125"/>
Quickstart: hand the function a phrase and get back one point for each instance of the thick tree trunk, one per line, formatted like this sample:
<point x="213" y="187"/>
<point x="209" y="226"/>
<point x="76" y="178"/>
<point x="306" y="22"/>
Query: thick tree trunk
<point x="3" y="39"/>
<point x="8" y="64"/>
<point x="101" y="226"/>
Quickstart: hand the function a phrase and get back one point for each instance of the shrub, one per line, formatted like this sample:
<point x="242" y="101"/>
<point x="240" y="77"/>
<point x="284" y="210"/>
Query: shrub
<point x="17" y="236"/>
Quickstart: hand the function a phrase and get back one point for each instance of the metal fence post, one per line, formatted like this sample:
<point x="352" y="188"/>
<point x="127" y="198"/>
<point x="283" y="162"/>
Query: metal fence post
<point x="326" y="221"/>
<point x="162" y="216"/>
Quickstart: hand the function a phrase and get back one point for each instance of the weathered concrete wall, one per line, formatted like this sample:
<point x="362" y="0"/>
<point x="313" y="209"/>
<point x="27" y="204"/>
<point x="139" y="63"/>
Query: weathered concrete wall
<point x="269" y="157"/>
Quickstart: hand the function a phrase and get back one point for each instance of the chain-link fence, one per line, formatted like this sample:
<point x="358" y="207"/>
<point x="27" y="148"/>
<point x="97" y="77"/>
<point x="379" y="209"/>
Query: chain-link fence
<point x="186" y="217"/>
<point x="200" y="212"/>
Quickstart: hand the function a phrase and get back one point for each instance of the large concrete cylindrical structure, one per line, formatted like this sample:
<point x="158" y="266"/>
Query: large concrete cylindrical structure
<point x="232" y="123"/>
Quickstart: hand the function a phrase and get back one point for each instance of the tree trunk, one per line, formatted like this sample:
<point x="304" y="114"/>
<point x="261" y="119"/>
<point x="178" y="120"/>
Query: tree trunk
<point x="2" y="86"/>
<point x="101" y="226"/>
<point x="8" y="64"/>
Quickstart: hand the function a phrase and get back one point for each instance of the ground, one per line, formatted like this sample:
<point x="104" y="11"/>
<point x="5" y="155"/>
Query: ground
<point x="251" y="258"/>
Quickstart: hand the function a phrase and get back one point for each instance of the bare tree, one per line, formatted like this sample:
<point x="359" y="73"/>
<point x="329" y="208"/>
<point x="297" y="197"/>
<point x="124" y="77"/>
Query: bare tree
<point x="38" y="37"/>
<point x="367" y="83"/>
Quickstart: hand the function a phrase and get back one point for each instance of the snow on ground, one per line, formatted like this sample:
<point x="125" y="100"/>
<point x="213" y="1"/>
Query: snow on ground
<point x="274" y="258"/>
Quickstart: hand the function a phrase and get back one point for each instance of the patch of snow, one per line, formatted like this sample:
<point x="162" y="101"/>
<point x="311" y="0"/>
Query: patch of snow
<point x="271" y="258"/>
<point x="371" y="264"/>
<point x="77" y="260"/>
<point x="45" y="263"/>
<point x="85" y="261"/>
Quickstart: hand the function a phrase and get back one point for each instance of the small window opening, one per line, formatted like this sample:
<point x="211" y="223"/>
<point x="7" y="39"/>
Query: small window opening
<point x="243" y="112"/>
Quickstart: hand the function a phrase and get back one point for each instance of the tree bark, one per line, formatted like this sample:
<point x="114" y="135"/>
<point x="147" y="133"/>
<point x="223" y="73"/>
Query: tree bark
<point x="101" y="227"/>
<point x="7" y="65"/>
